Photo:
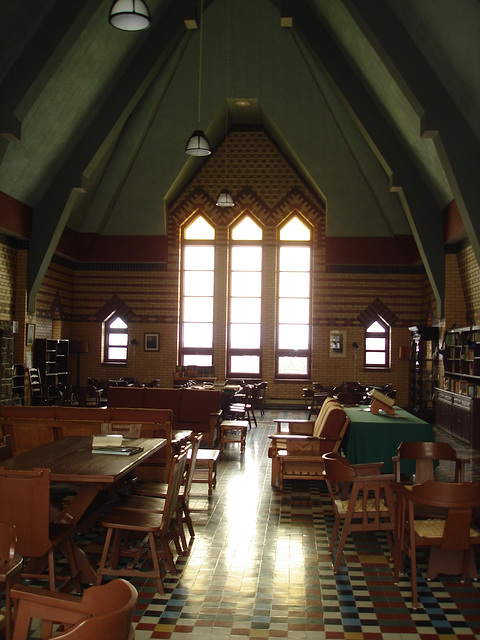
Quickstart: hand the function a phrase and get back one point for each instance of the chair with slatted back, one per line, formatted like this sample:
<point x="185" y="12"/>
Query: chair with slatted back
<point x="147" y="490"/>
<point x="450" y="538"/>
<point x="361" y="497"/>
<point x="151" y="527"/>
<point x="25" y="504"/>
<point x="425" y="454"/>
<point x="37" y="396"/>
<point x="104" y="612"/>
<point x="11" y="564"/>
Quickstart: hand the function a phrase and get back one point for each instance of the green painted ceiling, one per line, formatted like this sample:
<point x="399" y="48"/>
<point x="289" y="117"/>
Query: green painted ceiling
<point x="376" y="103"/>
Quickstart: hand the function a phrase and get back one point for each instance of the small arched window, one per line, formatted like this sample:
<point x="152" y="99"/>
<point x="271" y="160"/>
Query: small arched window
<point x="116" y="339"/>
<point x="377" y="344"/>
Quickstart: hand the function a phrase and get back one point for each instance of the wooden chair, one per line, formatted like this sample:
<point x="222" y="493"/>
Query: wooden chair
<point x="6" y="447"/>
<point x="104" y="612"/>
<point x="450" y="539"/>
<point x="361" y="497"/>
<point x="242" y="404"/>
<point x="11" y="564"/>
<point x="425" y="454"/>
<point x="160" y="490"/>
<point x="25" y="504"/>
<point x="297" y="454"/>
<point x="153" y="526"/>
<point x="260" y="401"/>
<point x="37" y="396"/>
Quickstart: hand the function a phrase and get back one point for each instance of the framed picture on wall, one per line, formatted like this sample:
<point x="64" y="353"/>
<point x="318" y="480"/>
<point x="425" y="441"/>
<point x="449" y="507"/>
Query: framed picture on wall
<point x="151" y="342"/>
<point x="337" y="344"/>
<point x="30" y="335"/>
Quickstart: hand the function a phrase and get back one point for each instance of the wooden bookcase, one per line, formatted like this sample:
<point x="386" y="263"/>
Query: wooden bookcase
<point x="458" y="403"/>
<point x="423" y="371"/>
<point x="51" y="359"/>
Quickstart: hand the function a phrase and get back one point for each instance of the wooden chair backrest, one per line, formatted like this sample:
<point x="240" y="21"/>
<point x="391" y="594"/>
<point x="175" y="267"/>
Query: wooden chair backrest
<point x="330" y="426"/>
<point x="192" y="459"/>
<point x="324" y="409"/>
<point x="460" y="499"/>
<point x="126" y="430"/>
<point x="425" y="453"/>
<point x="8" y="543"/>
<point x="6" y="447"/>
<point x="107" y="611"/>
<point x="176" y="475"/>
<point x="25" y="503"/>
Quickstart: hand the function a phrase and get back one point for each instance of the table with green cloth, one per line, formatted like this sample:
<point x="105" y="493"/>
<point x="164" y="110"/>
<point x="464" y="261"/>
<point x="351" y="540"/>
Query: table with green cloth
<point x="375" y="437"/>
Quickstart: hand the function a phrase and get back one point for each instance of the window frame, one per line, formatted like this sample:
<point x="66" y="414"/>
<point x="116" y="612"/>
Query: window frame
<point x="188" y="242"/>
<point x="231" y="351"/>
<point x="107" y="332"/>
<point x="303" y="353"/>
<point x="386" y="334"/>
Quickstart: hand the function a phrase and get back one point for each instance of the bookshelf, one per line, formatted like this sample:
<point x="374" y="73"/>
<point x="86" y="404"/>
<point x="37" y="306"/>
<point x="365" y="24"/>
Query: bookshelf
<point x="458" y="403"/>
<point x="51" y="359"/>
<point x="423" y="371"/>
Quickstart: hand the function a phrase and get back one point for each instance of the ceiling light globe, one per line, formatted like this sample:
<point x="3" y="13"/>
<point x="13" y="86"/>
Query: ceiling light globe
<point x="225" y="199"/>
<point x="129" y="15"/>
<point x="198" y="144"/>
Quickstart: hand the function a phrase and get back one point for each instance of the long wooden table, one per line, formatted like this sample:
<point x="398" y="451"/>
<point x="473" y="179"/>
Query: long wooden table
<point x="71" y="460"/>
<point x="375" y="437"/>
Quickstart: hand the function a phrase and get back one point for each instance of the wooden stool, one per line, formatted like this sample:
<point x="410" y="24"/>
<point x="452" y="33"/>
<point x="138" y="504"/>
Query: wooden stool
<point x="206" y="468"/>
<point x="234" y="431"/>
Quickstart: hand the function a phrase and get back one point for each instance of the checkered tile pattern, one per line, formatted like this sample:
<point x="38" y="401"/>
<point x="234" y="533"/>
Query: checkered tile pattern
<point x="259" y="568"/>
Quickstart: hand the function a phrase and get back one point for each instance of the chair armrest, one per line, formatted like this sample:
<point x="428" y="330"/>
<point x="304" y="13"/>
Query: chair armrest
<point x="370" y="469"/>
<point x="305" y="427"/>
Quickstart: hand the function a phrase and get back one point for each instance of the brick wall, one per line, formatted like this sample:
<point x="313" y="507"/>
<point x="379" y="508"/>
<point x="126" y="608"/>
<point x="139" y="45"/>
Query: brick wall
<point x="74" y="297"/>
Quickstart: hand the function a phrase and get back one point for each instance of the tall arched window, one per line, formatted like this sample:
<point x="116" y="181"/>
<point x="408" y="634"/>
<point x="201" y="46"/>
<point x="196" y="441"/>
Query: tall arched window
<point x="377" y="344"/>
<point x="197" y="288"/>
<point x="115" y="347"/>
<point x="293" y="344"/>
<point x="245" y="312"/>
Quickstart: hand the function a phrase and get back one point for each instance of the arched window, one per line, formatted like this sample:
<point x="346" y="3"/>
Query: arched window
<point x="293" y="343"/>
<point x="377" y="344"/>
<point x="245" y="300"/>
<point x="116" y="339"/>
<point x="197" y="288"/>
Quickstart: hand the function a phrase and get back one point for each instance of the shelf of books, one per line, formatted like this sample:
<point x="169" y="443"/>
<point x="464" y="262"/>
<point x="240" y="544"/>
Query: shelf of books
<point x="458" y="403"/>
<point x="461" y="361"/>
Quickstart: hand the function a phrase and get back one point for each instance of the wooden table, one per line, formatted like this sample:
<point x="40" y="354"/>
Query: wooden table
<point x="71" y="460"/>
<point x="375" y="438"/>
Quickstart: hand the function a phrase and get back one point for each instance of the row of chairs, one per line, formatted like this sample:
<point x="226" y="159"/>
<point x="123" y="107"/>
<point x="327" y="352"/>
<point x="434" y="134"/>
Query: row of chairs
<point x="429" y="513"/>
<point x="159" y="511"/>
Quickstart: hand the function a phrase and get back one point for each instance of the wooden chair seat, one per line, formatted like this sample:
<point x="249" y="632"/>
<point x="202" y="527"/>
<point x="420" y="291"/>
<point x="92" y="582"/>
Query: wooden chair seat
<point x="451" y="539"/>
<point x="11" y="564"/>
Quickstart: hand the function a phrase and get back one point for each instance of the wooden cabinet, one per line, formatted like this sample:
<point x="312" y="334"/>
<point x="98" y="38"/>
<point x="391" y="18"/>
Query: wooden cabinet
<point x="459" y="415"/>
<point x="423" y="371"/>
<point x="18" y="384"/>
<point x="51" y="360"/>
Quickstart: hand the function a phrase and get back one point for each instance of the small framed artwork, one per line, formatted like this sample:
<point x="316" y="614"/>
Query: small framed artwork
<point x="30" y="334"/>
<point x="337" y="344"/>
<point x="151" y="342"/>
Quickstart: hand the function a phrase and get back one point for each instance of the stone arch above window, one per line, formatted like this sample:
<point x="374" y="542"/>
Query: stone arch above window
<point x="115" y="305"/>
<point x="375" y="309"/>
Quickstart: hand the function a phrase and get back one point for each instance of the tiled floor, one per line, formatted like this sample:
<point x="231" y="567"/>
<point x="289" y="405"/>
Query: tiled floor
<point x="259" y="568"/>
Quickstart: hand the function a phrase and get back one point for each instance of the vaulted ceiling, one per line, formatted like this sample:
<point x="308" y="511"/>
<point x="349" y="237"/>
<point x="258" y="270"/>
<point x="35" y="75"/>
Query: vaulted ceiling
<point x="375" y="103"/>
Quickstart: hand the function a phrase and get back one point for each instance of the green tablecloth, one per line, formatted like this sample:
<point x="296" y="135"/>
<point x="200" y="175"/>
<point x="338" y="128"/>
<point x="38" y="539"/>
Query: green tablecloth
<point x="375" y="438"/>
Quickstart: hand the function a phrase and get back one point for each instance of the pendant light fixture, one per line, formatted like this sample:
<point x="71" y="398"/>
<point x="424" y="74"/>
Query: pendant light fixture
<point x="129" y="15"/>
<point x="225" y="198"/>
<point x="198" y="144"/>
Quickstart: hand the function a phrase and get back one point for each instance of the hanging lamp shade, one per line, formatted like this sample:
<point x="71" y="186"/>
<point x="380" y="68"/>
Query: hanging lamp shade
<point x="225" y="199"/>
<point x="129" y="15"/>
<point x="198" y="144"/>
